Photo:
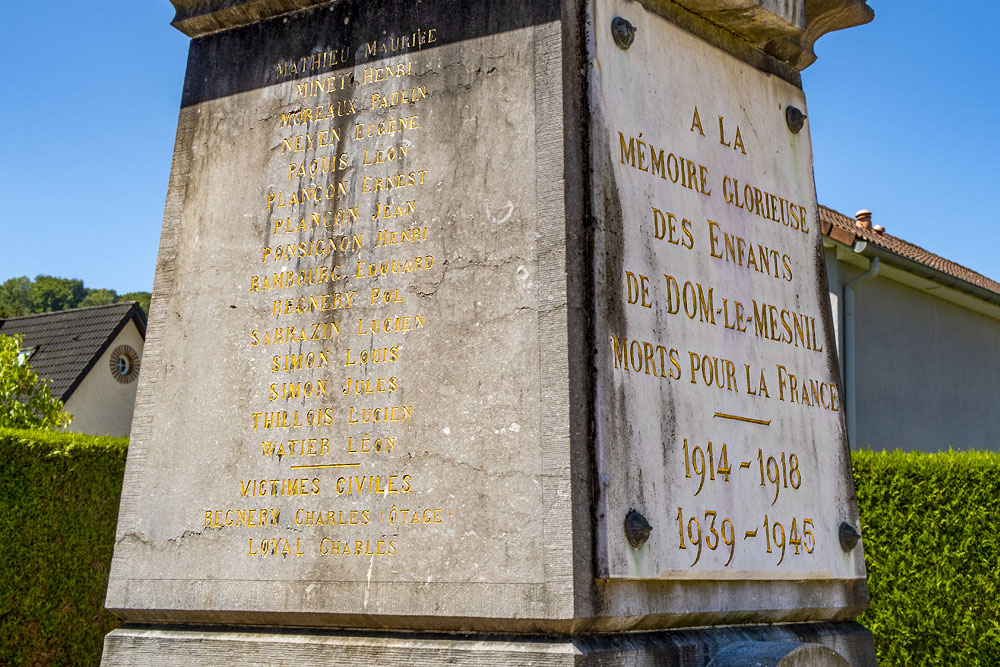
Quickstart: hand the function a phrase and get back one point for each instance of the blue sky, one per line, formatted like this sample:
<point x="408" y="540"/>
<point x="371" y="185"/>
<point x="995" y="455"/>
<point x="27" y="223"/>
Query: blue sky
<point x="902" y="114"/>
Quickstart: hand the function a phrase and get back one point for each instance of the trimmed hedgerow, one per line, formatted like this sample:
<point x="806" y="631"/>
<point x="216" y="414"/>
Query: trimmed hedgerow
<point x="59" y="496"/>
<point x="931" y="526"/>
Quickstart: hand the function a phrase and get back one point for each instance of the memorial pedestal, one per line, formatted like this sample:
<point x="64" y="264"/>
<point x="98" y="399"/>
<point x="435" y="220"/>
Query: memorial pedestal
<point x="492" y="317"/>
<point x="807" y="644"/>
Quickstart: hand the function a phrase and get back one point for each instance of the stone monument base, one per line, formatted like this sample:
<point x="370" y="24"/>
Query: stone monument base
<point x="784" y="645"/>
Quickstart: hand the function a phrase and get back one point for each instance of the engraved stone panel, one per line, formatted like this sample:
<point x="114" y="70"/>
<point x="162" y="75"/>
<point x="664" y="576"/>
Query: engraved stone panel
<point x="719" y="413"/>
<point x="341" y="401"/>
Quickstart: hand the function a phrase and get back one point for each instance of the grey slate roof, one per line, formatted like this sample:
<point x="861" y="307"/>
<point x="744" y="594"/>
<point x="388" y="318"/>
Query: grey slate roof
<point x="69" y="342"/>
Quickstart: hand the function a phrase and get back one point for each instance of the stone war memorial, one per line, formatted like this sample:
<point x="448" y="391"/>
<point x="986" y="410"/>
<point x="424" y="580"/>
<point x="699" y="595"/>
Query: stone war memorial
<point x="492" y="332"/>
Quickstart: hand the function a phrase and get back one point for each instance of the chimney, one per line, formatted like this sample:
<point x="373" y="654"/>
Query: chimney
<point x="864" y="217"/>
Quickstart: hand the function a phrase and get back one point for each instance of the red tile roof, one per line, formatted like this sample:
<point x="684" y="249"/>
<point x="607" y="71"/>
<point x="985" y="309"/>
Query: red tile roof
<point x="841" y="228"/>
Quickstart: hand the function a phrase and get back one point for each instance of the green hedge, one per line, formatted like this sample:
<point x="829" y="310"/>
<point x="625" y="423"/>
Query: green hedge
<point x="931" y="526"/>
<point x="58" y="509"/>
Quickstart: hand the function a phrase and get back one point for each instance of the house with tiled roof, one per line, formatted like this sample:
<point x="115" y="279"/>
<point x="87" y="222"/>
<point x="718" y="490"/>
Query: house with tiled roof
<point x="92" y="358"/>
<point x="918" y="337"/>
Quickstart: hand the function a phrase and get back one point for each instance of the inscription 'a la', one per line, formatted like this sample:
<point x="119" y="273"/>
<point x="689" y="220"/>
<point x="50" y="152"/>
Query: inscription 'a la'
<point x="736" y="144"/>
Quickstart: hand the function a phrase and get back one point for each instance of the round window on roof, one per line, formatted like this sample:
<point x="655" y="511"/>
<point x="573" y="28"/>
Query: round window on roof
<point x="124" y="364"/>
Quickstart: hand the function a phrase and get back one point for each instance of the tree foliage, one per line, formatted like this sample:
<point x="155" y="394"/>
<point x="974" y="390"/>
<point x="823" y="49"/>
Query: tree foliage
<point x="25" y="400"/>
<point x="15" y="297"/>
<point x="142" y="297"/>
<point x="24" y="296"/>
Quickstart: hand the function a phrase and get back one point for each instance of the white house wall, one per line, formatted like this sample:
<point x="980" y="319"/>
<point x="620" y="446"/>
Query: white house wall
<point x="101" y="405"/>
<point x="928" y="371"/>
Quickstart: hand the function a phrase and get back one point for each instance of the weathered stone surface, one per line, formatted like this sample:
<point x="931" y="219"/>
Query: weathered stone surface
<point x="367" y="184"/>
<point x="719" y="417"/>
<point x="681" y="648"/>
<point x="460" y="144"/>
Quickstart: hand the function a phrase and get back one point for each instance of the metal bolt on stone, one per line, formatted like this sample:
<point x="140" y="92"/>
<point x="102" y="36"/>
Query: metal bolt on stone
<point x="623" y="32"/>
<point x="848" y="536"/>
<point x="637" y="529"/>
<point x="795" y="119"/>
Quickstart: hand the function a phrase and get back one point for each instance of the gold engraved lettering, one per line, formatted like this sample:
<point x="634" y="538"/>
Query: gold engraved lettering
<point x="285" y="279"/>
<point x="412" y="235"/>
<point x="317" y="331"/>
<point x="765" y="205"/>
<point x="365" y="386"/>
<point x="313" y="303"/>
<point x="295" y="448"/>
<point x="392" y="182"/>
<point x="384" y="355"/>
<point x="643" y="156"/>
<point x="312" y="141"/>
<point x="696" y="301"/>
<point x="367" y="548"/>
<point x="737" y="143"/>
<point x="376" y="156"/>
<point x="393" y="267"/>
<point x="327" y="219"/>
<point x="665" y="228"/>
<point x="314" y="61"/>
<point x="242" y="518"/>
<point x="367" y="444"/>
<point x="388" y="211"/>
<point x="809" y="392"/>
<point x="638" y="356"/>
<point x="295" y="419"/>
<point x="296" y="362"/>
<point x="381" y="128"/>
<point x="390" y="325"/>
<point x="386" y="297"/>
<point x="638" y="288"/>
<point x="713" y="371"/>
<point x="318" y="113"/>
<point x="370" y="75"/>
<point x="313" y="193"/>
<point x="275" y="546"/>
<point x="737" y="250"/>
<point x="785" y="326"/>
<point x="260" y="488"/>
<point x="373" y="485"/>
<point x="397" y="97"/>
<point x="304" y="517"/>
<point x="391" y="414"/>
<point x="696" y="122"/>
<point x="417" y="39"/>
<point x="288" y="390"/>
<point x="327" y="164"/>
<point x="318" y="248"/>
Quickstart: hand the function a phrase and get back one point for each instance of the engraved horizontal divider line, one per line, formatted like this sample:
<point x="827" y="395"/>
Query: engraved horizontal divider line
<point x="748" y="420"/>
<point x="326" y="465"/>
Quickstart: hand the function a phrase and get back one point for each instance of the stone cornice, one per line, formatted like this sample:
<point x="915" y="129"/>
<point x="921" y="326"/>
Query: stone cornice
<point x="200" y="17"/>
<point x="785" y="30"/>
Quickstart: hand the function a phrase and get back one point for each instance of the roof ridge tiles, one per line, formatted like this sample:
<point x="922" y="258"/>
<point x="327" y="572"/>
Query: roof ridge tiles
<point x="904" y="248"/>
<point x="50" y="313"/>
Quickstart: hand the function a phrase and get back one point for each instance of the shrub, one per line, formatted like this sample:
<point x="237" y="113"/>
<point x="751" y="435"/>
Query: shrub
<point x="59" y="496"/>
<point x="25" y="399"/>
<point x="931" y="526"/>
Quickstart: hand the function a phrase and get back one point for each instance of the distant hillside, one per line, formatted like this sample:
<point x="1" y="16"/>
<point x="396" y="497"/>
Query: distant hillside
<point x="44" y="294"/>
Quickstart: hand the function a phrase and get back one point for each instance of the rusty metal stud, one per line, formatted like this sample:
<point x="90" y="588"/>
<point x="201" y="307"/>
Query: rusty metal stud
<point x="848" y="536"/>
<point x="623" y="33"/>
<point x="637" y="529"/>
<point x="795" y="119"/>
